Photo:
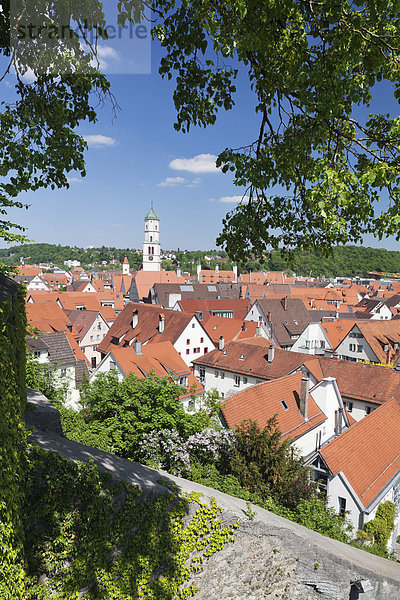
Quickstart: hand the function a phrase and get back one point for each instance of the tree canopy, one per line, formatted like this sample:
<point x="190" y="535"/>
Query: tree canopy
<point x="321" y="159"/>
<point x="311" y="65"/>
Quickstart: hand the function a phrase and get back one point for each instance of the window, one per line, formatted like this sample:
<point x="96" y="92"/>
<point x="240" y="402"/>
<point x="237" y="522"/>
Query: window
<point x="63" y="371"/>
<point x="360" y="348"/>
<point x="237" y="381"/>
<point x="91" y="337"/>
<point x="202" y="374"/>
<point x="352" y="347"/>
<point x="222" y="374"/>
<point x="242" y="357"/>
<point x="201" y="340"/>
<point x="205" y="350"/>
<point x="187" y="351"/>
<point x="191" y="404"/>
<point x="244" y="379"/>
<point x="99" y="326"/>
<point x="368" y="410"/>
<point x="284" y="405"/>
<point x="349" y="406"/>
<point x="342" y="506"/>
<point x="93" y="362"/>
<point x="187" y="342"/>
<point x="222" y="395"/>
<point x="113" y="365"/>
<point x="216" y="373"/>
<point x="193" y="325"/>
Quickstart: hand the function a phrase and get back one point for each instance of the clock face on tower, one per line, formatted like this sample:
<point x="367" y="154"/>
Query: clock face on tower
<point x="150" y="258"/>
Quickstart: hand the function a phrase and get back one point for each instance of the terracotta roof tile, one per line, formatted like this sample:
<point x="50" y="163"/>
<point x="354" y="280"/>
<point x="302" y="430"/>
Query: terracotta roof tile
<point x="369" y="452"/>
<point x="336" y="331"/>
<point x="261" y="402"/>
<point x="147" y="328"/>
<point x="255" y="359"/>
<point x="230" y="329"/>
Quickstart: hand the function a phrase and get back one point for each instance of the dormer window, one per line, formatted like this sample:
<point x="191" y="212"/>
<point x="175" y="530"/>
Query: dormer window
<point x="242" y="357"/>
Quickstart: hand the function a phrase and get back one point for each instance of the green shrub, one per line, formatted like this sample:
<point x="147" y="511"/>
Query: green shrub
<point x="382" y="525"/>
<point x="13" y="442"/>
<point x="84" y="530"/>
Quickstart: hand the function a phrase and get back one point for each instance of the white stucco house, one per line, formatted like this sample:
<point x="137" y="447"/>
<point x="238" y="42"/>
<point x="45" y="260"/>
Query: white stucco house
<point x="149" y="324"/>
<point x="360" y="468"/>
<point x="307" y="417"/>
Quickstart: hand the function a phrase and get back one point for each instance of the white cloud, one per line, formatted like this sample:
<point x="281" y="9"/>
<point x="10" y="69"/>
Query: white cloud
<point x="99" y="141"/>
<point x="201" y="163"/>
<point x="232" y="199"/>
<point x="172" y="181"/>
<point x="74" y="179"/>
<point x="117" y="225"/>
<point x="107" y="52"/>
<point x="195" y="181"/>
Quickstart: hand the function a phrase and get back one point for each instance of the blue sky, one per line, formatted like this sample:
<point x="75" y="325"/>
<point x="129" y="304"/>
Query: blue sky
<point x="139" y="158"/>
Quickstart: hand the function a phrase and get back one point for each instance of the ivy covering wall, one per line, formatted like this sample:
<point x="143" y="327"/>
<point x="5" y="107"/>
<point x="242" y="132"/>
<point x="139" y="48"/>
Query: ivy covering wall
<point x="12" y="436"/>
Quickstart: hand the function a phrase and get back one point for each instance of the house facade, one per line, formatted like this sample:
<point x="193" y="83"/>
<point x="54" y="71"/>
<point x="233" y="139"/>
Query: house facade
<point x="360" y="468"/>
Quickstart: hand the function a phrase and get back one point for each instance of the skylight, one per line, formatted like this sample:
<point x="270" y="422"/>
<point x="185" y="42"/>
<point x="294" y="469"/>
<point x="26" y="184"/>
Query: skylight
<point x="211" y="288"/>
<point x="186" y="288"/>
<point x="285" y="406"/>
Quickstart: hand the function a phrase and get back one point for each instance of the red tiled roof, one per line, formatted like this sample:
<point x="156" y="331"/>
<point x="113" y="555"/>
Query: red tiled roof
<point x="261" y="402"/>
<point x="161" y="358"/>
<point x="336" y="331"/>
<point x="147" y="327"/>
<point x="370" y="383"/>
<point x="369" y="452"/>
<point x="28" y="270"/>
<point x="47" y="317"/>
<point x="146" y="279"/>
<point x="250" y="357"/>
<point x="230" y="329"/>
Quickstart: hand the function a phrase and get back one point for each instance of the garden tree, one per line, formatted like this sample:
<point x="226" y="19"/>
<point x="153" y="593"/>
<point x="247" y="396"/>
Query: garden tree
<point x="38" y="144"/>
<point x="267" y="466"/>
<point x="122" y="412"/>
<point x="312" y="67"/>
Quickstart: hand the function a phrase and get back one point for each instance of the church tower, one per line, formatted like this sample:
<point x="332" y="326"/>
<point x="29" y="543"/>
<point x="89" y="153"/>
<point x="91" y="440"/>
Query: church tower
<point x="151" y="244"/>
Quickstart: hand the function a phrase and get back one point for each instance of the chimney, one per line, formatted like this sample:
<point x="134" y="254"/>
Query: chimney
<point x="235" y="272"/>
<point x="178" y="272"/>
<point x="137" y="346"/>
<point x="284" y="303"/>
<point x="198" y="271"/>
<point x="269" y="315"/>
<point x="340" y="420"/>
<point x="244" y="326"/>
<point x="304" y="392"/>
<point x="271" y="353"/>
<point x="221" y="343"/>
<point x="161" y="323"/>
<point x="135" y="318"/>
<point x="216" y="268"/>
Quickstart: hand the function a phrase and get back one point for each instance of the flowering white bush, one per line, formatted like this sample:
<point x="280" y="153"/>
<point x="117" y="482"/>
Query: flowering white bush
<point x="166" y="449"/>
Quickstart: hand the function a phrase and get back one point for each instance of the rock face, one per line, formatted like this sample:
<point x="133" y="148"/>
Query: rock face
<point x="269" y="562"/>
<point x="41" y="414"/>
